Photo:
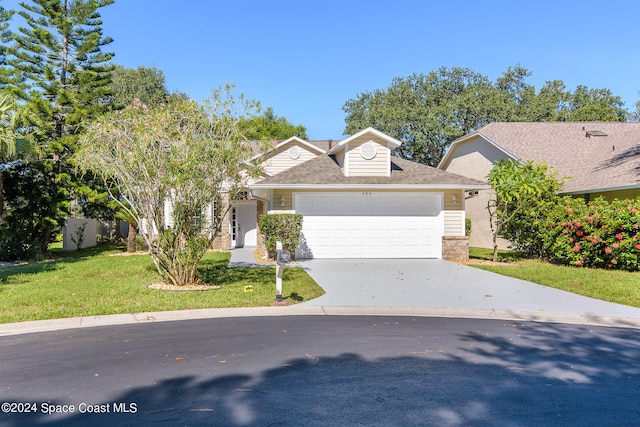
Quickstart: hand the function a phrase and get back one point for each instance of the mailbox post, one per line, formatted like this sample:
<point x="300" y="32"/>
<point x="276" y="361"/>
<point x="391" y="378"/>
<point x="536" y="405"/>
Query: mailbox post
<point x="282" y="258"/>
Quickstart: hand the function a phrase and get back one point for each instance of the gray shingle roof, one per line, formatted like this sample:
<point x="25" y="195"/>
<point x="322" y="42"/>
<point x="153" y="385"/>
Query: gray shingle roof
<point x="593" y="162"/>
<point x="324" y="170"/>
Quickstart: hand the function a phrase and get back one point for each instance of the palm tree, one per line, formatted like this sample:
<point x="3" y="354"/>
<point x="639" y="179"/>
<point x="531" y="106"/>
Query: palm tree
<point x="15" y="122"/>
<point x="127" y="215"/>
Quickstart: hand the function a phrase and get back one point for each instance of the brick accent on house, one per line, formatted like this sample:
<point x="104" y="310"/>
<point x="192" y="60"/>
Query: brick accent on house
<point x="455" y="248"/>
<point x="222" y="241"/>
<point x="260" y="238"/>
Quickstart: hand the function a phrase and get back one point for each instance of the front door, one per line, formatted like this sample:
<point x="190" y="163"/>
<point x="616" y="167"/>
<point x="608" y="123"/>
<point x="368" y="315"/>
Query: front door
<point x="245" y="223"/>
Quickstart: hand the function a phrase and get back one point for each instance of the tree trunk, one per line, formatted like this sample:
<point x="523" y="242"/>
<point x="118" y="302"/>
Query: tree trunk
<point x="114" y="232"/>
<point x="131" y="238"/>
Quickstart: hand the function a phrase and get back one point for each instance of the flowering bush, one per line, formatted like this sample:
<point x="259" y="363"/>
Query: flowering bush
<point x="593" y="234"/>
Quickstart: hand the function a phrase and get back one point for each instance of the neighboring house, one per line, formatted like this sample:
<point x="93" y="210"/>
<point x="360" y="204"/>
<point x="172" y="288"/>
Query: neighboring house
<point x="357" y="199"/>
<point x="598" y="159"/>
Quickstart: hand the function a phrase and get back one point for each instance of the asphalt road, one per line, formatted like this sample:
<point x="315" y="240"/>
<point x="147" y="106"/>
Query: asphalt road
<point x="323" y="370"/>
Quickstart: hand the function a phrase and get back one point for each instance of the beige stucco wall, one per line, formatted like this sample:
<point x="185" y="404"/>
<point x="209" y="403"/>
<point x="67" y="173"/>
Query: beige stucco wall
<point x="474" y="159"/>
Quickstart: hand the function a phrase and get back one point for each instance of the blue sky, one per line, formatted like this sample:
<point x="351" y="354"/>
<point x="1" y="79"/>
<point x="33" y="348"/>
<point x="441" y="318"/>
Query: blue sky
<point x="306" y="58"/>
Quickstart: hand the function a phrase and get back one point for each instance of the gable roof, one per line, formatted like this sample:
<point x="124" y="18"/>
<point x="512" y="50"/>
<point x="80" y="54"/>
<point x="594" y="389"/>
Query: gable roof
<point x="394" y="143"/>
<point x="597" y="156"/>
<point x="316" y="146"/>
<point x="324" y="172"/>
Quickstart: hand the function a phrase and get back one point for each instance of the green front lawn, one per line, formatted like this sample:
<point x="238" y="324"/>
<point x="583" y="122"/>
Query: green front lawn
<point x="98" y="281"/>
<point x="617" y="286"/>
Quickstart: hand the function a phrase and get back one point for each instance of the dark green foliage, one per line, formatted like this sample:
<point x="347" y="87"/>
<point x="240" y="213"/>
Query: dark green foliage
<point x="519" y="189"/>
<point x="269" y="127"/>
<point x="428" y="112"/>
<point x="5" y="38"/>
<point x="576" y="232"/>
<point x="467" y="226"/>
<point x="281" y="227"/>
<point x="594" y="234"/>
<point x="59" y="70"/>
<point x="147" y="84"/>
<point x="35" y="210"/>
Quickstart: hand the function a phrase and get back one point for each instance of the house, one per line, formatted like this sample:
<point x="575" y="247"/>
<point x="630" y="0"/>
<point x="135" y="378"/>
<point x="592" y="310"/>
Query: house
<point x="598" y="159"/>
<point x="357" y="199"/>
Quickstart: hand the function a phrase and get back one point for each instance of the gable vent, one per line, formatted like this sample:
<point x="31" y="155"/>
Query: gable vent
<point x="368" y="150"/>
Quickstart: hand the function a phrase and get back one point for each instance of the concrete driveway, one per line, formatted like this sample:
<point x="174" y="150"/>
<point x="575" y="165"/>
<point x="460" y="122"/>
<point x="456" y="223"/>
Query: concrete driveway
<point x="439" y="286"/>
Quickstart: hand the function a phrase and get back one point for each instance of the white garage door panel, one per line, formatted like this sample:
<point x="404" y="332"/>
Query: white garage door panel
<point x="371" y="225"/>
<point x="367" y="204"/>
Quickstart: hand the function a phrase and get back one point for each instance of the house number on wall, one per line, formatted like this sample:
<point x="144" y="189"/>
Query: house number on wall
<point x="366" y="193"/>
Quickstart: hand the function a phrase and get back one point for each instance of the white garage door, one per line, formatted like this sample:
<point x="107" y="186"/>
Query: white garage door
<point x="371" y="224"/>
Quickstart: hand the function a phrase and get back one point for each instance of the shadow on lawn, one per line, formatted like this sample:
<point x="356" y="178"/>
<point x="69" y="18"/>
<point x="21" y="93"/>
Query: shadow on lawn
<point x="221" y="275"/>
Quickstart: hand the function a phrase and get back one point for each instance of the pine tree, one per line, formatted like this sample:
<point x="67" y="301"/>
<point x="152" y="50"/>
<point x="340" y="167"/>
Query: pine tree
<point x="5" y="38"/>
<point x="60" y="57"/>
<point x="59" y="69"/>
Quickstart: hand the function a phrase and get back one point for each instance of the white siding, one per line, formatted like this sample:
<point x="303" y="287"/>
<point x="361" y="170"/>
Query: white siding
<point x="454" y="223"/>
<point x="378" y="166"/>
<point x="280" y="160"/>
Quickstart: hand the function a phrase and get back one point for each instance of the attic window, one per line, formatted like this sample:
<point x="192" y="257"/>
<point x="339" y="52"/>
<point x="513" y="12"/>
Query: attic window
<point x="591" y="133"/>
<point x="368" y="150"/>
<point x="294" y="153"/>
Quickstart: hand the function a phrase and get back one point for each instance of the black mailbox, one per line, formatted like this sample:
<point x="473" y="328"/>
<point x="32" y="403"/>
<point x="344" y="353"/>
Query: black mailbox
<point x="283" y="257"/>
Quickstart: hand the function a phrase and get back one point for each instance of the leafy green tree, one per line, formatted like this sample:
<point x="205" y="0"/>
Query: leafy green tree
<point x="268" y="127"/>
<point x="428" y="112"/>
<point x="63" y="77"/>
<point x="586" y="104"/>
<point x="8" y="138"/>
<point x="16" y="131"/>
<point x="517" y="186"/>
<point x="144" y="83"/>
<point x="183" y="153"/>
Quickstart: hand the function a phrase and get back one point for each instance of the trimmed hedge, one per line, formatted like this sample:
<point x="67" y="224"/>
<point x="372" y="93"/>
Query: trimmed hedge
<point x="283" y="227"/>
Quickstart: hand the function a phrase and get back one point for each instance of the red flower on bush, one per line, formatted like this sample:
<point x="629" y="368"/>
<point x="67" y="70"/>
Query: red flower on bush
<point x="615" y="246"/>
<point x="607" y="251"/>
<point x="576" y="248"/>
<point x="619" y="236"/>
<point x="637" y="246"/>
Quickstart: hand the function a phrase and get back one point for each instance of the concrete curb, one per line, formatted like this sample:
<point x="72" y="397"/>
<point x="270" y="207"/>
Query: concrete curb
<point x="9" y="329"/>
